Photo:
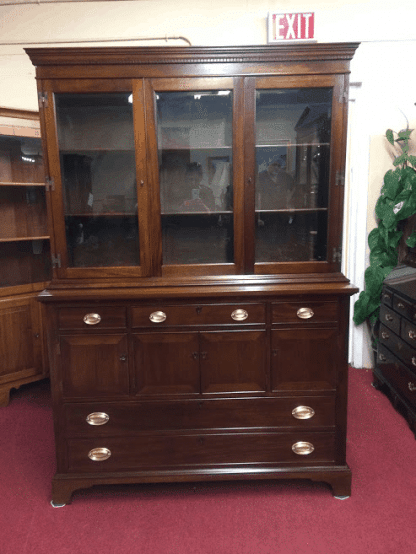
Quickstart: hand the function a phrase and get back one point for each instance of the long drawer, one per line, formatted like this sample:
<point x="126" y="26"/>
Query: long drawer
<point x="189" y="450"/>
<point x="305" y="312"/>
<point x="197" y="314"/>
<point x="127" y="418"/>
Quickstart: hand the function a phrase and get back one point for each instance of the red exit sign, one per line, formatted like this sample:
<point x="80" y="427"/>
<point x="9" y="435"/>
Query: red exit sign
<point x="287" y="27"/>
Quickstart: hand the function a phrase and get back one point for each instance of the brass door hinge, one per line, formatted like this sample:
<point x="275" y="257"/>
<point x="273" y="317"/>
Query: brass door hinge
<point x="49" y="184"/>
<point x="337" y="254"/>
<point x="340" y="179"/>
<point x="56" y="261"/>
<point x="43" y="99"/>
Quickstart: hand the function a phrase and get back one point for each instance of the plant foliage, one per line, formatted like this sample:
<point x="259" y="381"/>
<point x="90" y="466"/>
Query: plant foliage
<point x="397" y="202"/>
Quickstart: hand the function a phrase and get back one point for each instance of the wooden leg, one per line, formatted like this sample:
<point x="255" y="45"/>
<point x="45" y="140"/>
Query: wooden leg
<point x="4" y="397"/>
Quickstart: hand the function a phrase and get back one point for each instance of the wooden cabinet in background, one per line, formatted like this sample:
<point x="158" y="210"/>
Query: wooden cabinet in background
<point x="24" y="251"/>
<point x="197" y="316"/>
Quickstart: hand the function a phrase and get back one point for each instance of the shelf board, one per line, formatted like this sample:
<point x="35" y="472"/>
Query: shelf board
<point x="292" y="144"/>
<point x="25" y="239"/>
<point x="293" y="210"/>
<point x="103" y="214"/>
<point x="224" y="212"/>
<point x="10" y="184"/>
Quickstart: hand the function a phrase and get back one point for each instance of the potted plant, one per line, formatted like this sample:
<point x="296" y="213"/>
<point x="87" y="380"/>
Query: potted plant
<point x="397" y="203"/>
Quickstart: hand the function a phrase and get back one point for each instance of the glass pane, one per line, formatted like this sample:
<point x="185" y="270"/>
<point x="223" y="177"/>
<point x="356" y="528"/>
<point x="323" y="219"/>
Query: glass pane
<point x="292" y="173"/>
<point x="195" y="168"/>
<point x="96" y="146"/>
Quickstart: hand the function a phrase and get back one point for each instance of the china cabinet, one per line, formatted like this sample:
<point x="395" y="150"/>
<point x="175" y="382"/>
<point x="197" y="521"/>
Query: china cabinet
<point x="197" y="316"/>
<point x="24" y="250"/>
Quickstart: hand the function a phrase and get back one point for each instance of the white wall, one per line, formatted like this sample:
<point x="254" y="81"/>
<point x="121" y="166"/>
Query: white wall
<point x="383" y="67"/>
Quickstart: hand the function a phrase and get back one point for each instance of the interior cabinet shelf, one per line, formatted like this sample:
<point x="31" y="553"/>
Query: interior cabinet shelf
<point x="197" y="315"/>
<point x="22" y="184"/>
<point x="20" y="239"/>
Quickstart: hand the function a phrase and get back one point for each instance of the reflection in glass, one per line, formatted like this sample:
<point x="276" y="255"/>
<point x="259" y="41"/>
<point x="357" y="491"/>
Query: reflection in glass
<point x="96" y="146"/>
<point x="292" y="173"/>
<point x="195" y="171"/>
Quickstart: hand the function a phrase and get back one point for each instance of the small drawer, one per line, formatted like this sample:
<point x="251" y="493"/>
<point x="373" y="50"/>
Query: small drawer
<point x="387" y="298"/>
<point x="390" y="319"/>
<point x="397" y="375"/>
<point x="195" y="450"/>
<point x="403" y="307"/>
<point x="106" y="419"/>
<point x="389" y="339"/>
<point x="197" y="314"/>
<point x="92" y="317"/>
<point x="305" y="312"/>
<point x="409" y="333"/>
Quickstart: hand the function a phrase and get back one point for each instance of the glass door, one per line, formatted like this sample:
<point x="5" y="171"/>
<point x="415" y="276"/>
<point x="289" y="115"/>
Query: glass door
<point x="295" y="159"/>
<point x="101" y="178"/>
<point x="197" y="154"/>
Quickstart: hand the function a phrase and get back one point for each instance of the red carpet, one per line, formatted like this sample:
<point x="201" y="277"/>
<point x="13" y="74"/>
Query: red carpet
<point x="218" y="518"/>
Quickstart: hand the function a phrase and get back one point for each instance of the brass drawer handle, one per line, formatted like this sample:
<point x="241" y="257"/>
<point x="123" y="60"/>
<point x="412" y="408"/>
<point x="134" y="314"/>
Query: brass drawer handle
<point x="97" y="418"/>
<point x="305" y="313"/>
<point x="303" y="448"/>
<point x="92" y="319"/>
<point x="99" y="454"/>
<point x="414" y="360"/>
<point x="303" y="412"/>
<point x="157" y="317"/>
<point x="382" y="358"/>
<point x="385" y="335"/>
<point x="400" y="305"/>
<point x="239" y="315"/>
<point x="412" y="335"/>
<point x="411" y="386"/>
<point x="389" y="317"/>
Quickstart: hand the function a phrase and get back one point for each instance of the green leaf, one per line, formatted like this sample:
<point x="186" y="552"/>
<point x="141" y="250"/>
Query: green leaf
<point x="405" y="134"/>
<point x="392" y="184"/>
<point x="390" y="136"/>
<point x="411" y="240"/>
<point x="400" y="160"/>
<point x="375" y="239"/>
<point x="412" y="160"/>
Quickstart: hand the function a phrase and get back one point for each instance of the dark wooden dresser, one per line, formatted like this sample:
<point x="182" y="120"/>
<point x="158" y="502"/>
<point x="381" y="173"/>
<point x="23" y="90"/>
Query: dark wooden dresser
<point x="395" y="370"/>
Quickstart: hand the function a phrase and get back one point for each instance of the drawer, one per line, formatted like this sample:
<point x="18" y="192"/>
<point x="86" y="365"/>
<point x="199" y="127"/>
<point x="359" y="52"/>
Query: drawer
<point x="403" y="307"/>
<point x="398" y="347"/>
<point x="92" y="317"/>
<point x="196" y="450"/>
<point x="397" y="375"/>
<point x="387" y="298"/>
<point x="390" y="319"/>
<point x="305" y="312"/>
<point x="409" y="333"/>
<point x="197" y="314"/>
<point x="108" y="419"/>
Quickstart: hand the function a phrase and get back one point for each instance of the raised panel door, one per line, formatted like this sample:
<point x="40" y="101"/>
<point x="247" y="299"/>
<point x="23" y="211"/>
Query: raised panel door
<point x="304" y="359"/>
<point x="94" y="365"/>
<point x="233" y="361"/>
<point x="166" y="363"/>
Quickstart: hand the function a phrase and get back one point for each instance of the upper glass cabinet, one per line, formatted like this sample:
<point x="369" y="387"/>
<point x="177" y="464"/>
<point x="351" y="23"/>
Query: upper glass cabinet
<point x="98" y="172"/>
<point x="192" y="162"/>
<point x="195" y="157"/>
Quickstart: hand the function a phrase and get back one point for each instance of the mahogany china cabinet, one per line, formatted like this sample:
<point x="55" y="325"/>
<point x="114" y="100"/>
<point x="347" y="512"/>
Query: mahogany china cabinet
<point x="197" y="317"/>
<point x="24" y="251"/>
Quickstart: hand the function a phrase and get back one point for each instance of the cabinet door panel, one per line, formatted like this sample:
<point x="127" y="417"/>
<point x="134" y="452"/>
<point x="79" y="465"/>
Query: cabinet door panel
<point x="94" y="365"/>
<point x="20" y="342"/>
<point x="166" y="363"/>
<point x="304" y="359"/>
<point x="233" y="361"/>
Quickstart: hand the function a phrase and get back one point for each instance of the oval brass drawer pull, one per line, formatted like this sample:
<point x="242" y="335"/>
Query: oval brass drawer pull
<point x="389" y="317"/>
<point x="97" y="418"/>
<point x="385" y="335"/>
<point x="92" y="319"/>
<point x="382" y="358"/>
<point x="414" y="360"/>
<point x="411" y="386"/>
<point x="303" y="448"/>
<point x="305" y="313"/>
<point x="239" y="315"/>
<point x="400" y="305"/>
<point x="412" y="335"/>
<point x="303" y="412"/>
<point x="99" y="454"/>
<point x="157" y="317"/>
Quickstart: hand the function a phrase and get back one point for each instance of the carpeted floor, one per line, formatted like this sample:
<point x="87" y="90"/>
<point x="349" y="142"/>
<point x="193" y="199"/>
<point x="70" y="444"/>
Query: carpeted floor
<point x="213" y="518"/>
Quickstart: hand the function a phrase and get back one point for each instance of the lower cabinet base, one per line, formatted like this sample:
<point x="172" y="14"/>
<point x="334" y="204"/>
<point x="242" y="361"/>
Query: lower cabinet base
<point x="338" y="477"/>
